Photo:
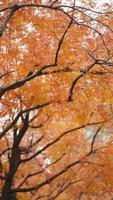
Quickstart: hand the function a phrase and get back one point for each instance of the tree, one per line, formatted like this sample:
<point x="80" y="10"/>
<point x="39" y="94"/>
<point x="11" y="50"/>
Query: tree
<point x="56" y="100"/>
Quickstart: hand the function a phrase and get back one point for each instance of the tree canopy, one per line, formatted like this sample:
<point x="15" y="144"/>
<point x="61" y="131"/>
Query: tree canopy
<point x="56" y="100"/>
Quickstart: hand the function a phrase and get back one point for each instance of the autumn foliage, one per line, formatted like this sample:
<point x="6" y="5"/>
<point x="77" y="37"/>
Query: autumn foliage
<point x="56" y="100"/>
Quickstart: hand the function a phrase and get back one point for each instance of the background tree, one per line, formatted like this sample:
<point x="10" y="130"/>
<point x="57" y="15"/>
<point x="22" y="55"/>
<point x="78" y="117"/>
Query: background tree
<point x="56" y="139"/>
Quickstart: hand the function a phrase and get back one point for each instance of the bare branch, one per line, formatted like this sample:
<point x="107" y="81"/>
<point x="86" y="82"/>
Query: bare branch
<point x="78" y="78"/>
<point x="93" y="140"/>
<point x="56" y="140"/>
<point x="19" y="115"/>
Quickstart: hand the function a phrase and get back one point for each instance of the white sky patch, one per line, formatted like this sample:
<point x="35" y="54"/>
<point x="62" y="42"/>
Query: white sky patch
<point x="102" y="137"/>
<point x="29" y="27"/>
<point x="3" y="119"/>
<point x="100" y="28"/>
<point x="47" y="161"/>
<point x="2" y="14"/>
<point x="40" y="13"/>
<point x="99" y="5"/>
<point x="89" y="132"/>
<point x="68" y="3"/>
<point x="102" y="5"/>
<point x="23" y="48"/>
<point x="3" y="49"/>
<point x="88" y="81"/>
<point x="17" y="40"/>
<point x="36" y="11"/>
<point x="46" y="2"/>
